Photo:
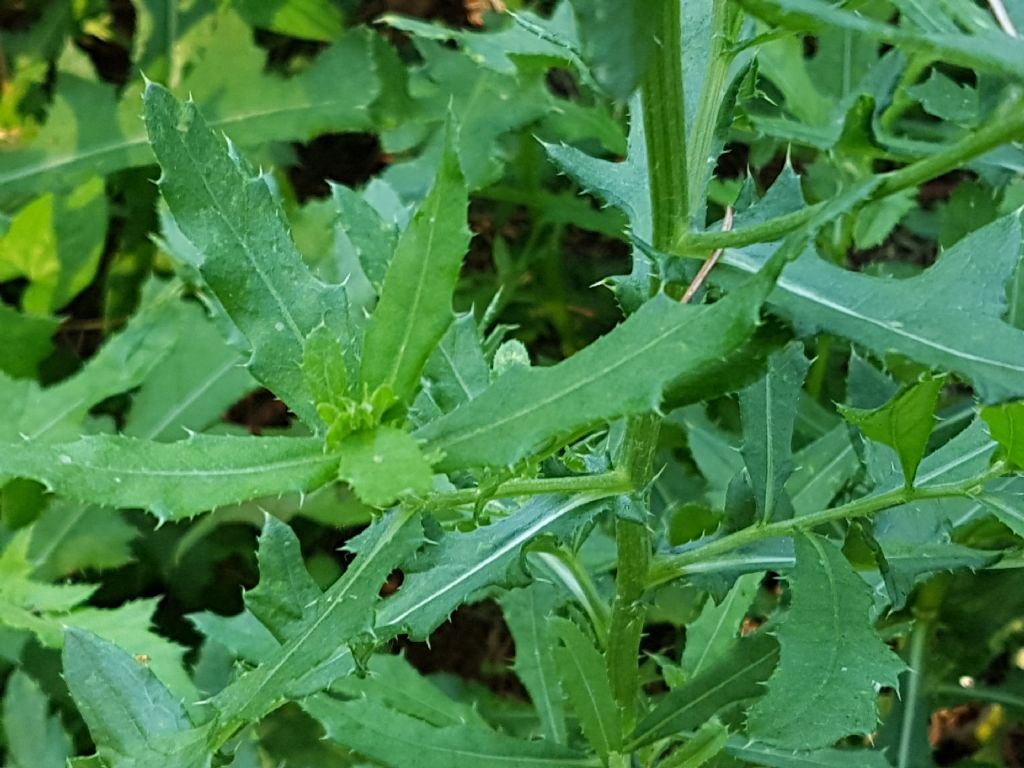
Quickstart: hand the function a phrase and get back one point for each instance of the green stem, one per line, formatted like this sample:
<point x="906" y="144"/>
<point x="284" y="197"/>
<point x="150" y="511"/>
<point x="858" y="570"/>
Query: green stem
<point x="666" y="569"/>
<point x="725" y="17"/>
<point x="1000" y="129"/>
<point x="664" y="119"/>
<point x="608" y="483"/>
<point x="633" y="545"/>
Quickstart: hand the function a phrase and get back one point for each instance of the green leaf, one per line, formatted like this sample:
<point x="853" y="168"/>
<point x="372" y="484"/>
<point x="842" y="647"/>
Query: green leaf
<point x="904" y="423"/>
<point x="627" y="372"/>
<point x="306" y="19"/>
<point x="1008" y="509"/>
<point x="129" y="712"/>
<point x="344" y="612"/>
<point x="832" y="660"/>
<point x="914" y="545"/>
<point x="768" y="411"/>
<point x="372" y="239"/>
<point x="415" y="306"/>
<point x="736" y="676"/>
<point x="456" y="570"/>
<point x="397" y="740"/>
<point x="89" y="132"/>
<point x="878" y="218"/>
<point x="584" y="679"/>
<point x="123" y="362"/>
<point x="946" y="99"/>
<point x="393" y="682"/>
<point x="704" y="745"/>
<point x="193" y="386"/>
<point x="455" y="373"/>
<point x="822" y="469"/>
<point x="384" y="464"/>
<point x="994" y="51"/>
<point x="489" y="105"/>
<point x="749" y="751"/>
<point x="34" y="737"/>
<point x="617" y="41"/>
<point x="249" y="258"/>
<point x="714" y="633"/>
<point x="56" y="242"/>
<point x="172" y="480"/>
<point x="1006" y="423"/>
<point x="499" y="47"/>
<point x="69" y="538"/>
<point x="527" y="613"/>
<point x="323" y="365"/>
<point x="27" y="341"/>
<point x="286" y="597"/>
<point x="947" y="318"/>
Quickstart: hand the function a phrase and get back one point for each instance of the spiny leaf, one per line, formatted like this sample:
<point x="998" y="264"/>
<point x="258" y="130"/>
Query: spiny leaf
<point x="948" y="318"/>
<point x="528" y="612"/>
<point x="904" y="423"/>
<point x="713" y="634"/>
<point x="68" y="538"/>
<point x="249" y="258"/>
<point x="341" y="614"/>
<point x="627" y="372"/>
<point x="749" y="751"/>
<point x="585" y="682"/>
<point x="171" y="480"/>
<point x="915" y="543"/>
<point x="456" y="571"/>
<point x="455" y="373"/>
<point x="415" y="306"/>
<point x="392" y="681"/>
<point x="399" y="741"/>
<point x="736" y="676"/>
<point x="832" y="661"/>
<point x="286" y="596"/>
<point x="768" y="410"/>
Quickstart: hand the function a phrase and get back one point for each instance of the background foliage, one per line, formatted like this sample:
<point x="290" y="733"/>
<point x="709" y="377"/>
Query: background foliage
<point x="378" y="433"/>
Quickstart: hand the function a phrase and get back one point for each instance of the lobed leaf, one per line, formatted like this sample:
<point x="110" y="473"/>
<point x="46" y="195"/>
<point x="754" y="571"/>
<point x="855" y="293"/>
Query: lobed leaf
<point x="627" y="372"/>
<point x="584" y="677"/>
<point x="948" y="318"/>
<point x="249" y="258"/>
<point x="832" y="661"/>
<point x="527" y="613"/>
<point x="344" y="612"/>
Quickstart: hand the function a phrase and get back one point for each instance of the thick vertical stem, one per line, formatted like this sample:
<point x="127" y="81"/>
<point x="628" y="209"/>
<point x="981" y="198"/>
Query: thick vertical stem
<point x="664" y="117"/>
<point x="665" y="128"/>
